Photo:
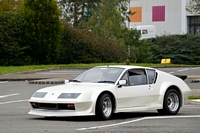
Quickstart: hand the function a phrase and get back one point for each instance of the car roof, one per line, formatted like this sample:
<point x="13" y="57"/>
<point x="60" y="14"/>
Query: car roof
<point x="126" y="66"/>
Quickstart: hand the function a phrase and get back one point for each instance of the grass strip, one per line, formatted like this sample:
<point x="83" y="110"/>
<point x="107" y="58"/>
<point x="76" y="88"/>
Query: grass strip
<point x="194" y="97"/>
<point x="16" y="69"/>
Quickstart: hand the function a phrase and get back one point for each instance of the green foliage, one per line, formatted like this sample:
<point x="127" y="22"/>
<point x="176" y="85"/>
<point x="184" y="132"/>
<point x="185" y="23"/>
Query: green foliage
<point x="81" y="46"/>
<point x="10" y="5"/>
<point x="107" y="22"/>
<point x="193" y="6"/>
<point x="194" y="97"/>
<point x="43" y="30"/>
<point x="182" y="49"/>
<point x="138" y="51"/>
<point x="12" y="48"/>
<point x="75" y="11"/>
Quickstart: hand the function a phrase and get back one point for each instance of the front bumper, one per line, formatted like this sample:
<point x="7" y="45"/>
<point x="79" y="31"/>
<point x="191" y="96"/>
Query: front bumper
<point x="81" y="109"/>
<point x="58" y="113"/>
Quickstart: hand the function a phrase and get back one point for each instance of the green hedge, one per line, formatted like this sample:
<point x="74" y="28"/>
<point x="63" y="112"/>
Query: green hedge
<point x="12" y="47"/>
<point x="182" y="49"/>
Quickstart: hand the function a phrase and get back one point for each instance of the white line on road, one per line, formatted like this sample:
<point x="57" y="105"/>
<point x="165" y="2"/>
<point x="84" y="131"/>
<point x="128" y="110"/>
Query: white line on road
<point x="3" y="82"/>
<point x="195" y="68"/>
<point x="197" y="100"/>
<point x="144" y="118"/>
<point x="9" y="95"/>
<point x="17" y="101"/>
<point x="182" y="70"/>
<point x="171" y="72"/>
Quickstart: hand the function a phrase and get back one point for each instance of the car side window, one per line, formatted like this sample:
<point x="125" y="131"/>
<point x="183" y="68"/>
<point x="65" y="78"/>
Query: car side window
<point x="151" y="76"/>
<point x="137" y="77"/>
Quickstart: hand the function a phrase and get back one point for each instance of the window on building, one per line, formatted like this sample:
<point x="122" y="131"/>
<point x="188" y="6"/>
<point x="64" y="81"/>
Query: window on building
<point x="194" y="25"/>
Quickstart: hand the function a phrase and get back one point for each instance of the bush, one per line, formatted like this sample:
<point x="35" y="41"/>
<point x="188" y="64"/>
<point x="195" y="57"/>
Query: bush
<point x="12" y="51"/>
<point x="81" y="46"/>
<point x="182" y="49"/>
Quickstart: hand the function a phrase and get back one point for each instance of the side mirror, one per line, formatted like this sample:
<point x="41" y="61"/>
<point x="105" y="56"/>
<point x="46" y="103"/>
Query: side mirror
<point x="122" y="82"/>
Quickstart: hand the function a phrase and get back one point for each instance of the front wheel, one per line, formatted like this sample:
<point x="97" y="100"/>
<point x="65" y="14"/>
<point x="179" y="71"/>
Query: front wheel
<point x="171" y="103"/>
<point x="104" y="107"/>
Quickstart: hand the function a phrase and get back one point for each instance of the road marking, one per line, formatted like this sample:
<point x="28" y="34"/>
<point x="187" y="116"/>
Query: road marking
<point x="195" y="68"/>
<point x="9" y="95"/>
<point x="190" y="106"/>
<point x="171" y="72"/>
<point x="197" y="100"/>
<point x="144" y="118"/>
<point x="3" y="82"/>
<point x="182" y="70"/>
<point x="17" y="101"/>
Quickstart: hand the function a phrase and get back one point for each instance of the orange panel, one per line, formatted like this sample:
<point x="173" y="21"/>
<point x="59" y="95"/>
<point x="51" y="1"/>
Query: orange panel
<point x="137" y="17"/>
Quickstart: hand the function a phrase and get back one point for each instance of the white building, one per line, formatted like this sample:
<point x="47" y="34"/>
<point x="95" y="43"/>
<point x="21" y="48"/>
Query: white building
<point x="168" y="16"/>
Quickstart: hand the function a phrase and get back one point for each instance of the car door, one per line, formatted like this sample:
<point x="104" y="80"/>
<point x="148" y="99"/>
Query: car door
<point x="136" y="93"/>
<point x="153" y="86"/>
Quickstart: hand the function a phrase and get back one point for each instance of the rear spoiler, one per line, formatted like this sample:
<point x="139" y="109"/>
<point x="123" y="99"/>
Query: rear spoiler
<point x="183" y="77"/>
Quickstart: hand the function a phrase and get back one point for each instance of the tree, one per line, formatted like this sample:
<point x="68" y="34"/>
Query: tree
<point x="108" y="21"/>
<point x="10" y="5"/>
<point x="75" y="11"/>
<point x="43" y="30"/>
<point x="194" y="7"/>
<point x="12" y="48"/>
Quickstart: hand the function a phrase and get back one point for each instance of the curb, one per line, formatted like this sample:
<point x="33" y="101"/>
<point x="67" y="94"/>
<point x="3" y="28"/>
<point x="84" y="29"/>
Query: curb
<point x="48" y="81"/>
<point x="22" y="79"/>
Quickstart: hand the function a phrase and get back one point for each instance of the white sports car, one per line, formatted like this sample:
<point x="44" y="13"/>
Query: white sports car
<point x="105" y="90"/>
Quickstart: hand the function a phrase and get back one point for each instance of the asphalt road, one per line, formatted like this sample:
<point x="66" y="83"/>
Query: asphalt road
<point x="14" y="118"/>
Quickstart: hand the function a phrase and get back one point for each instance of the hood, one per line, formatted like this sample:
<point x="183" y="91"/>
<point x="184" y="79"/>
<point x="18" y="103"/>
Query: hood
<point x="75" y="87"/>
<point x="85" y="89"/>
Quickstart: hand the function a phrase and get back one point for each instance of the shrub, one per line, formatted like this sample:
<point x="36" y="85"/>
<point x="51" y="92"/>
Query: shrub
<point x="81" y="46"/>
<point x="12" y="51"/>
<point x="182" y="49"/>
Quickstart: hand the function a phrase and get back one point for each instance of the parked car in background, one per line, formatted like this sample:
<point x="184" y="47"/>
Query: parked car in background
<point x="146" y="31"/>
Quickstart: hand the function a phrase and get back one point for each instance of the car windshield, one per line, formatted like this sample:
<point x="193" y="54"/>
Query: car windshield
<point x="100" y="75"/>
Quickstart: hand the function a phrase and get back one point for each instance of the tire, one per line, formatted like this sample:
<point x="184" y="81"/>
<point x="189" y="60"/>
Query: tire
<point x="171" y="104"/>
<point x="104" y="107"/>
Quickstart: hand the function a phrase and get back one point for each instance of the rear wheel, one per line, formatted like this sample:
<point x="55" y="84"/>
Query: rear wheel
<point x="104" y="107"/>
<point x="171" y="103"/>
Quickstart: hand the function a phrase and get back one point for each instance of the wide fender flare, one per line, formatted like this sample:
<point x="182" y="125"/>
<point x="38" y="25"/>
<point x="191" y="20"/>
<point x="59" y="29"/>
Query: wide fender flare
<point x="97" y="93"/>
<point x="163" y="89"/>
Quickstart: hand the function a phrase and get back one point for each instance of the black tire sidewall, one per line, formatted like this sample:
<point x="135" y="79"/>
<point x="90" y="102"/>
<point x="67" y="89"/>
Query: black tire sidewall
<point x="99" y="104"/>
<point x="165" y="105"/>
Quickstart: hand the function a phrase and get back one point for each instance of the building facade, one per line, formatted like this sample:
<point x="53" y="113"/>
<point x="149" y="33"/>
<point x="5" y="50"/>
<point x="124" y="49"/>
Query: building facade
<point x="168" y="16"/>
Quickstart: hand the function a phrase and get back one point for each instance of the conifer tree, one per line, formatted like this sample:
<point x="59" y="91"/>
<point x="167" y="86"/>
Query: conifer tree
<point x="43" y="30"/>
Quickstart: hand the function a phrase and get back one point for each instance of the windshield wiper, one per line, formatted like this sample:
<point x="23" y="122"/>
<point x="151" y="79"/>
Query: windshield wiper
<point x="73" y="80"/>
<point x="106" y="81"/>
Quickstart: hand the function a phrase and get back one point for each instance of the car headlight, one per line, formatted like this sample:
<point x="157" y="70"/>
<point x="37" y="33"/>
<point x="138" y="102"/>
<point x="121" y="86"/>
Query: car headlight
<point x="39" y="94"/>
<point x="69" y="95"/>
